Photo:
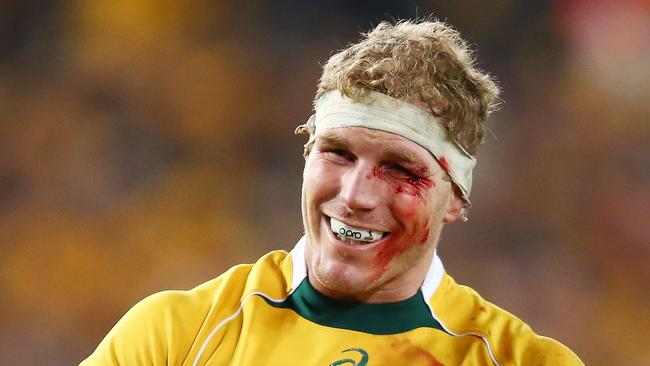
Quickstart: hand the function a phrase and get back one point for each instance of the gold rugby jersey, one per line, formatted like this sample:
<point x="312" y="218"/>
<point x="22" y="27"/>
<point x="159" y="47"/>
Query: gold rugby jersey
<point x="269" y="314"/>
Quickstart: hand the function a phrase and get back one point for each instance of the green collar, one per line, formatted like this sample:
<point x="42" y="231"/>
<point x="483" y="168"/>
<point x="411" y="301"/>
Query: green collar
<point x="389" y="318"/>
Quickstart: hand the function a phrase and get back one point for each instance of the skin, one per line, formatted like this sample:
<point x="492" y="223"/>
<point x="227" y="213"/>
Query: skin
<point x="379" y="181"/>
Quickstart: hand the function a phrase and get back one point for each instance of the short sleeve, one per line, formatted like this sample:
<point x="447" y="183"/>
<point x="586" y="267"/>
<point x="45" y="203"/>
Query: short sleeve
<point x="150" y="333"/>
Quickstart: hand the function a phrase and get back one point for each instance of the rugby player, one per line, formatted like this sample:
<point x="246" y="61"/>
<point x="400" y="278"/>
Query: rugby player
<point x="398" y="120"/>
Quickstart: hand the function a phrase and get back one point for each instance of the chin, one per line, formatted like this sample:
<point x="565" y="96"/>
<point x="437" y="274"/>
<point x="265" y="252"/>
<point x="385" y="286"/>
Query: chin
<point x="337" y="285"/>
<point x="341" y="279"/>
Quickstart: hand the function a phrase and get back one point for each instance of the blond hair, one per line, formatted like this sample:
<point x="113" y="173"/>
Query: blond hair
<point x="425" y="61"/>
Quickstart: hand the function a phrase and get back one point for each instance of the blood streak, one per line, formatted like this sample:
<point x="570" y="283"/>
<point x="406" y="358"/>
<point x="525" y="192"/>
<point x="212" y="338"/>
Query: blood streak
<point x="394" y="247"/>
<point x="425" y="236"/>
<point x="419" y="232"/>
<point x="413" y="352"/>
<point x="389" y="251"/>
<point x="444" y="164"/>
<point x="377" y="173"/>
<point x="412" y="186"/>
<point x="415" y="186"/>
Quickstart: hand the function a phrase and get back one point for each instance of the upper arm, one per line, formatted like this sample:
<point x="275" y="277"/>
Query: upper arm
<point x="545" y="351"/>
<point x="150" y="333"/>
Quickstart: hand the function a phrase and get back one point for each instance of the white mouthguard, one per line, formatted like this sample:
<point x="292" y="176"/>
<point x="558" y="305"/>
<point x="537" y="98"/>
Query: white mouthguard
<point x="353" y="232"/>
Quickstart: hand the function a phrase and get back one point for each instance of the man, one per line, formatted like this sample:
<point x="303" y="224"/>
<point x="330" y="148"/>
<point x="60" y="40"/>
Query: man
<point x="398" y="119"/>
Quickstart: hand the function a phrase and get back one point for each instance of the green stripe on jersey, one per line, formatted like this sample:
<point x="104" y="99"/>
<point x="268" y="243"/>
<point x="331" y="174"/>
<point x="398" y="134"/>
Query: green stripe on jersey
<point x="389" y="318"/>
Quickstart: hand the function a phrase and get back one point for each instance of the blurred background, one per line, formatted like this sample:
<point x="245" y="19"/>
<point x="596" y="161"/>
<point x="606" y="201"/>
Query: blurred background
<point x="148" y="145"/>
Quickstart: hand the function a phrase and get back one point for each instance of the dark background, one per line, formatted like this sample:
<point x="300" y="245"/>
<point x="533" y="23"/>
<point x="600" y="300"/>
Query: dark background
<point x="148" y="145"/>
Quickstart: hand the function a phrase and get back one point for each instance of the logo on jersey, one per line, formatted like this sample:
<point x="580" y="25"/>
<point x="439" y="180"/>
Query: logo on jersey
<point x="348" y="361"/>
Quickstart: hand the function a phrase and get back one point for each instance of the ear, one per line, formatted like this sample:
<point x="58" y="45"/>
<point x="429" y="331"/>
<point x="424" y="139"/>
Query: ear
<point x="455" y="208"/>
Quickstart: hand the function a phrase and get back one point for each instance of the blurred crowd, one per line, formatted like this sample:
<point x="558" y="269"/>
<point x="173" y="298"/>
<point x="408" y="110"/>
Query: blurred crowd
<point x="148" y="145"/>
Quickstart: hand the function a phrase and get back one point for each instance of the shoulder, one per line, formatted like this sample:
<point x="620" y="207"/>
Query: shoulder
<point x="162" y="327"/>
<point x="511" y="340"/>
<point x="226" y="289"/>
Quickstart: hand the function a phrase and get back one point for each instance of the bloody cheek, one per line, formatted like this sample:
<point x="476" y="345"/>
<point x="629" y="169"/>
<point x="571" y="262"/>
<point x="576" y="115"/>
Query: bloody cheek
<point x="407" y="208"/>
<point x="416" y="187"/>
<point x="416" y="235"/>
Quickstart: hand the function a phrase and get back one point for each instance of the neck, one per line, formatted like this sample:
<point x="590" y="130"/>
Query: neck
<point x="389" y="288"/>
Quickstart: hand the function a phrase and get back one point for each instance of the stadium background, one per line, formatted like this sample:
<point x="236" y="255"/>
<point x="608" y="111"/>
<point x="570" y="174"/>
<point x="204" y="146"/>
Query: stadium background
<point x="148" y="145"/>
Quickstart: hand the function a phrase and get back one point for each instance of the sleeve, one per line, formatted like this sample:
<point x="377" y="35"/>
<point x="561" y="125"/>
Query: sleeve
<point x="163" y="328"/>
<point x="545" y="351"/>
<point x="519" y="345"/>
<point x="143" y="335"/>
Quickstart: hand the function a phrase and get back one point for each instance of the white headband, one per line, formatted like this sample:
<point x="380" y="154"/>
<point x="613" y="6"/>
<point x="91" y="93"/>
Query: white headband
<point x="380" y="112"/>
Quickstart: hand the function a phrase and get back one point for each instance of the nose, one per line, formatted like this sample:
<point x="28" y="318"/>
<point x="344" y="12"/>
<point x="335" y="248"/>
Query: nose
<point x="360" y="191"/>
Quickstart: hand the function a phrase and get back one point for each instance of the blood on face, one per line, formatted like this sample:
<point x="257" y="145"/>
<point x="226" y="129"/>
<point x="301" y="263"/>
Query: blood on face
<point x="444" y="164"/>
<point x="415" y="188"/>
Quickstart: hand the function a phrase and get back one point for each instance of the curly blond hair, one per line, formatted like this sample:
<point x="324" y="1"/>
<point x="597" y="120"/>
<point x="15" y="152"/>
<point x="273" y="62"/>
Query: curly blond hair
<point x="424" y="61"/>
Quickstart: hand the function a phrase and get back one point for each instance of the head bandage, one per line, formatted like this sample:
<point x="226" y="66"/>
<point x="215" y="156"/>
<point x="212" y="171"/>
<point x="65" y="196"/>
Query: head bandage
<point x="380" y="112"/>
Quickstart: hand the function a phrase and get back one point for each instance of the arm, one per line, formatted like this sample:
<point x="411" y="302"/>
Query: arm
<point x="144" y="334"/>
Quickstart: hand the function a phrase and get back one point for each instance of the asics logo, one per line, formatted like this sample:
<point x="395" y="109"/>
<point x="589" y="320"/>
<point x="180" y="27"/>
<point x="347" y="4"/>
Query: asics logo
<point x="348" y="361"/>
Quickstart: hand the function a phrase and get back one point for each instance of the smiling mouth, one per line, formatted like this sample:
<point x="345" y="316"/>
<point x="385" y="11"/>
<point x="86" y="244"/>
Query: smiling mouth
<point x="355" y="235"/>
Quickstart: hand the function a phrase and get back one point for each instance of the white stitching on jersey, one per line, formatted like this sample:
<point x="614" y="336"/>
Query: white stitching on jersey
<point x="233" y="316"/>
<point x="300" y="272"/>
<point x="430" y="286"/>
<point x="485" y="340"/>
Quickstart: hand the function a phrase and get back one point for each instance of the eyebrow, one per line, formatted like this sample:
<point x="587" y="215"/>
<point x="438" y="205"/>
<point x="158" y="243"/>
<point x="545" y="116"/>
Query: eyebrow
<point x="392" y="154"/>
<point x="332" y="140"/>
<point x="400" y="155"/>
<point x="404" y="156"/>
<point x="408" y="158"/>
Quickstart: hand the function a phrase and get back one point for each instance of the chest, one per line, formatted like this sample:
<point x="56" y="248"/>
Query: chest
<point x="265" y="335"/>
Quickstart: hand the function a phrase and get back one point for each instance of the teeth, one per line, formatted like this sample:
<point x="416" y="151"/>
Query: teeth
<point x="344" y="231"/>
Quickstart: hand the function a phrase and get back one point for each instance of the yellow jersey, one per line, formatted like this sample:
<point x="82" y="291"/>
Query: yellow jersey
<point x="267" y="313"/>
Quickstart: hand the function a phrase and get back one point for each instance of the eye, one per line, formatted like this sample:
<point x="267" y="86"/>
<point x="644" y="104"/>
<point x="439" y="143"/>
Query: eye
<point x="409" y="173"/>
<point x="338" y="154"/>
<point x="402" y="170"/>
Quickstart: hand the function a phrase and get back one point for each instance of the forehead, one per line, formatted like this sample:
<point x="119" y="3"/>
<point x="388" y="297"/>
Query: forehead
<point x="385" y="143"/>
